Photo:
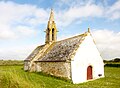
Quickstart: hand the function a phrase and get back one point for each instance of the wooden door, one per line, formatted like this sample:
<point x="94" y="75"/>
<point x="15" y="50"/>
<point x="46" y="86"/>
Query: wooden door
<point x="89" y="72"/>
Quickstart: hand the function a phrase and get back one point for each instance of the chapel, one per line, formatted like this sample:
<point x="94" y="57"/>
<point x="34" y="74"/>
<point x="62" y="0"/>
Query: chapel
<point x="76" y="58"/>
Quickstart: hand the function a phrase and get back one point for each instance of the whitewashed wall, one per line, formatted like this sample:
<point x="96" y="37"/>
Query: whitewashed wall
<point x="86" y="55"/>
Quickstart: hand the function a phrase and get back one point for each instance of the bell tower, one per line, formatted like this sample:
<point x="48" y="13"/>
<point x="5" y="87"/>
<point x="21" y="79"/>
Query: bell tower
<point x="51" y="31"/>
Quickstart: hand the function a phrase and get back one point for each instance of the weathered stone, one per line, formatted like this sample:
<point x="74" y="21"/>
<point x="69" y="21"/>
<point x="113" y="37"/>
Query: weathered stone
<point x="61" y="69"/>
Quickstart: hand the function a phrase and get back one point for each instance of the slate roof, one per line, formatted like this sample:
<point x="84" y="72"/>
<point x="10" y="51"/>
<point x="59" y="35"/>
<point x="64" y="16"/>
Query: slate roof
<point x="62" y="50"/>
<point x="34" y="53"/>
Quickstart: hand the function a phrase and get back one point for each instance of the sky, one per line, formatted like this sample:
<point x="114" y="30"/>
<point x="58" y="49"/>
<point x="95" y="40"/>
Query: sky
<point x="23" y="22"/>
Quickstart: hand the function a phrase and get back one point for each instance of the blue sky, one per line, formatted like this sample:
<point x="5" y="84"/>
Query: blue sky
<point x="22" y="24"/>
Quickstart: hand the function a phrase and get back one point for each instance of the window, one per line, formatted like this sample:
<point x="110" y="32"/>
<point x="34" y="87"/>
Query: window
<point x="48" y="33"/>
<point x="53" y="34"/>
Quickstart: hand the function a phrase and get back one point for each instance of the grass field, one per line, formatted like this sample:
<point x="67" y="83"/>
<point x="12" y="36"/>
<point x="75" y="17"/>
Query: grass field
<point x="11" y="62"/>
<point x="15" y="77"/>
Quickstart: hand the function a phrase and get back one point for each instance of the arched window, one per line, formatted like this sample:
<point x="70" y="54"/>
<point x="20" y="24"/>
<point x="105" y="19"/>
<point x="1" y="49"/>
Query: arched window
<point x="48" y="33"/>
<point x="53" y="34"/>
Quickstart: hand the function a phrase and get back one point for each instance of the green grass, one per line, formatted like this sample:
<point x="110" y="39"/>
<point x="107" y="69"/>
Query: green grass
<point x="16" y="77"/>
<point x="112" y="64"/>
<point x="11" y="62"/>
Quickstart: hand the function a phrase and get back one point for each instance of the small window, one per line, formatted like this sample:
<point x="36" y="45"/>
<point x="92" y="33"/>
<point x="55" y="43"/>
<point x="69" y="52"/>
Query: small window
<point x="53" y="34"/>
<point x="99" y="75"/>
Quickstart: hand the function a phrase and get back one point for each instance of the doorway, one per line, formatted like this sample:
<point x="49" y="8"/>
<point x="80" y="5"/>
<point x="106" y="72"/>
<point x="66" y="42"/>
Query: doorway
<point x="89" y="73"/>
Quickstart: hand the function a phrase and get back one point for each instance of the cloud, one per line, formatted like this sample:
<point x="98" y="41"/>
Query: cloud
<point x="71" y="3"/>
<point x="7" y="34"/>
<point x="89" y="10"/>
<point x="108" y="43"/>
<point x="80" y="9"/>
<point x="74" y="13"/>
<point x="14" y="15"/>
<point x="17" y="19"/>
<point x="113" y="12"/>
<point x="25" y="31"/>
<point x="16" y="52"/>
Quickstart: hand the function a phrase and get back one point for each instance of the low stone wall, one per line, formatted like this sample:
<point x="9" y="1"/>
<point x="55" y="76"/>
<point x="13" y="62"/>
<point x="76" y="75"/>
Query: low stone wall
<point x="29" y="66"/>
<point x="26" y="65"/>
<point x="58" y="69"/>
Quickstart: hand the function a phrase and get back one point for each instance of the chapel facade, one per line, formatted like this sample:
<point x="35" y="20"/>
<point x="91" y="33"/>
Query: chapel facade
<point x="76" y="58"/>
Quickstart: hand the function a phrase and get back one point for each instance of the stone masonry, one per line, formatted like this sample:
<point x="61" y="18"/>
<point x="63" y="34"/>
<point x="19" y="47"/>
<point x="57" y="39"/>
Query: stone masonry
<point x="58" y="69"/>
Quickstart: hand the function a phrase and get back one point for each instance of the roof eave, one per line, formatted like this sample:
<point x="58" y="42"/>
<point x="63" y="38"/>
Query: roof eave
<point x="51" y="61"/>
<point x="26" y="60"/>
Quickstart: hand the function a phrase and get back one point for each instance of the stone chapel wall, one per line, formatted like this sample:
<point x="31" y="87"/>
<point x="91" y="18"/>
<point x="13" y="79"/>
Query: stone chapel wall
<point x="59" y="69"/>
